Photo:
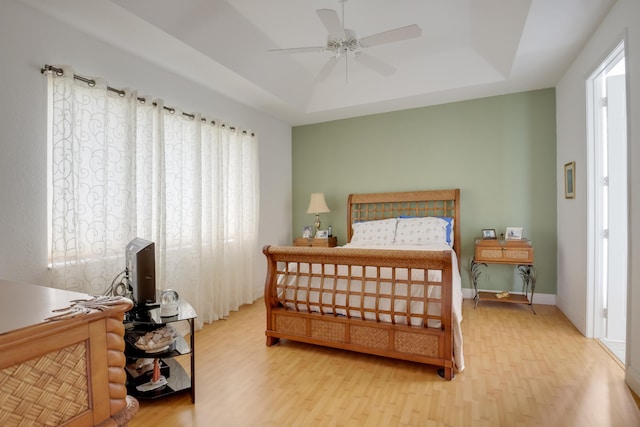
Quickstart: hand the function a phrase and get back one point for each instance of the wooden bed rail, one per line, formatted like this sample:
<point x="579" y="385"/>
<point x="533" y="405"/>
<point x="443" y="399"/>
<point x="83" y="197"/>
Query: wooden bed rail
<point x="305" y="303"/>
<point x="353" y="256"/>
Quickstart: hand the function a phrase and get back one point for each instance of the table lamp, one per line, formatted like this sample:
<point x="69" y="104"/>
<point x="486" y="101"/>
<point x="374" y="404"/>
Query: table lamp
<point x="317" y="205"/>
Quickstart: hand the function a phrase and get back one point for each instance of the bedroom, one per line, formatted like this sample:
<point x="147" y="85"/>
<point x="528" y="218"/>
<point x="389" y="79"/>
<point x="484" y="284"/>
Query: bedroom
<point x="31" y="38"/>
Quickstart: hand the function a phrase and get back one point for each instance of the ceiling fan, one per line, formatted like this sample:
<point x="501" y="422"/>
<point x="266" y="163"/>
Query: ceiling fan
<point x="342" y="41"/>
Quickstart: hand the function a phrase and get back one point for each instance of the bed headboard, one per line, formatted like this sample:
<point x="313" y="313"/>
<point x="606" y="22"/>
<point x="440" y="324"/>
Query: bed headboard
<point x="372" y="206"/>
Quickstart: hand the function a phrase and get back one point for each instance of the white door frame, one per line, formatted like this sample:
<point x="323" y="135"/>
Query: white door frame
<point x="595" y="325"/>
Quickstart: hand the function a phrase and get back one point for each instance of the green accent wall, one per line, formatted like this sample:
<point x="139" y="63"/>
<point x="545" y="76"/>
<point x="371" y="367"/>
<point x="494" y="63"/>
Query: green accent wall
<point x="499" y="151"/>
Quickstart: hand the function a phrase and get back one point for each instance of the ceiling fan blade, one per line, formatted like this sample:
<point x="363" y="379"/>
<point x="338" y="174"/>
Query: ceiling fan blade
<point x="375" y="64"/>
<point x="331" y="21"/>
<point x="328" y="68"/>
<point x="396" y="35"/>
<point x="299" y="49"/>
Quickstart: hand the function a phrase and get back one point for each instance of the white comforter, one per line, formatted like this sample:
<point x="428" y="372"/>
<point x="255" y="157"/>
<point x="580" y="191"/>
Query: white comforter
<point x="415" y="307"/>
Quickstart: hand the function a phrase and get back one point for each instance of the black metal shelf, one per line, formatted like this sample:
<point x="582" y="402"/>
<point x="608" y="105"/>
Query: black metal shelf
<point x="178" y="379"/>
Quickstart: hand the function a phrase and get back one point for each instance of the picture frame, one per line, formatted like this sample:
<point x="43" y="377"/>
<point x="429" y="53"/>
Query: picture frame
<point x="307" y="232"/>
<point x="322" y="234"/>
<point x="488" y="233"/>
<point x="514" y="233"/>
<point x="570" y="180"/>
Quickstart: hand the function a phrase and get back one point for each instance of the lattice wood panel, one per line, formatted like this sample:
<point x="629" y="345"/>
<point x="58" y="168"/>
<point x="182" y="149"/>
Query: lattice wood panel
<point x="374" y="211"/>
<point x="46" y="391"/>
<point x="389" y="294"/>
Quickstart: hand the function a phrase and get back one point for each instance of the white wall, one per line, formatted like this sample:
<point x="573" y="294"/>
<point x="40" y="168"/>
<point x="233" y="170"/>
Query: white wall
<point x="571" y="145"/>
<point x="28" y="40"/>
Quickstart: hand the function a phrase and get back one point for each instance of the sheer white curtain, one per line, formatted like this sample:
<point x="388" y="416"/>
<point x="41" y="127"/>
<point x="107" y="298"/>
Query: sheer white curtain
<point x="121" y="168"/>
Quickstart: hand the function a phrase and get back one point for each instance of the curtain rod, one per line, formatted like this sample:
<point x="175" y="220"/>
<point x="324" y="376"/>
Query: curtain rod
<point x="60" y="72"/>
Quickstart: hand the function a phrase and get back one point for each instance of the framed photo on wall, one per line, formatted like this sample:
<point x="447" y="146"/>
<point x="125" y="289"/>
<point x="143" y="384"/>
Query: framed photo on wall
<point x="570" y="180"/>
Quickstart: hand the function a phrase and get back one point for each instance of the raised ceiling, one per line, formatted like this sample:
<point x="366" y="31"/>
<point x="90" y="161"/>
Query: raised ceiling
<point x="468" y="48"/>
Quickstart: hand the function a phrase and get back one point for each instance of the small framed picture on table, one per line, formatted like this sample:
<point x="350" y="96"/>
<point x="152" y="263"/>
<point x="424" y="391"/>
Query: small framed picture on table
<point x="322" y="234"/>
<point x="514" y="233"/>
<point x="488" y="233"/>
<point x="306" y="232"/>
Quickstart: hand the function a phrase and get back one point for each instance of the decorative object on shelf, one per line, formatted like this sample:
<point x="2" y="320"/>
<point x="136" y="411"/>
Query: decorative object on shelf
<point x="84" y="306"/>
<point x="307" y="233"/>
<point x="157" y="380"/>
<point x="157" y="340"/>
<point x="514" y="233"/>
<point x="169" y="303"/>
<point x="317" y="205"/>
<point x="570" y="180"/>
<point x="488" y="233"/>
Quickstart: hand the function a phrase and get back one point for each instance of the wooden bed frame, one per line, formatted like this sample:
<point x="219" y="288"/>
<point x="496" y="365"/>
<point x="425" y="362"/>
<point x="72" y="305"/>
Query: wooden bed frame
<point x="290" y="268"/>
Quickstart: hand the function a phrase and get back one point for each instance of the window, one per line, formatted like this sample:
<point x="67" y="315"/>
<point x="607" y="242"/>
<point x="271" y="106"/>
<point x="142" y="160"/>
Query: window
<point x="121" y="166"/>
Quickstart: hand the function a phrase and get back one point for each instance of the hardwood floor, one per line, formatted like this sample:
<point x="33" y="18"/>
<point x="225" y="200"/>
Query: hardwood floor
<point x="521" y="370"/>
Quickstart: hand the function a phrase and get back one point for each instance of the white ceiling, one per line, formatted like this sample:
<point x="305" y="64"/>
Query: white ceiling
<point x="468" y="48"/>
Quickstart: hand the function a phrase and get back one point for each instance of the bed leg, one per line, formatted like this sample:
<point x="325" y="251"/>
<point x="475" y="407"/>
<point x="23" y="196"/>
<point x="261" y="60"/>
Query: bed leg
<point x="272" y="341"/>
<point x="446" y="373"/>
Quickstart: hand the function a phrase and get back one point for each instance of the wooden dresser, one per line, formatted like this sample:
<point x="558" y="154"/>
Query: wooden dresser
<point x="65" y="372"/>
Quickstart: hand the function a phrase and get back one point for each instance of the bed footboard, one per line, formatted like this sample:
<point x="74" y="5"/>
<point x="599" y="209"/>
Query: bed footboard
<point x="384" y="302"/>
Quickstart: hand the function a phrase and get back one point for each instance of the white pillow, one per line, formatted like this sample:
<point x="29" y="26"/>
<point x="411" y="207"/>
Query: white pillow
<point x="374" y="233"/>
<point x="421" y="231"/>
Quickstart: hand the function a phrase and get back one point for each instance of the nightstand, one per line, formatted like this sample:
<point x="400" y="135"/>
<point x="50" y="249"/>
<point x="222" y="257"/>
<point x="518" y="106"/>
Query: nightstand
<point x="329" y="242"/>
<point x="514" y="252"/>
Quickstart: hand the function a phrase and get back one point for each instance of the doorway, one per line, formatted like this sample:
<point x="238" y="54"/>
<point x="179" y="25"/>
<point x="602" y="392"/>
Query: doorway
<point x="607" y="193"/>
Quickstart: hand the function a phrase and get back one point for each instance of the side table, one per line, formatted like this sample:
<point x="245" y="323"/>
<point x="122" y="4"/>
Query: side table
<point x="512" y="252"/>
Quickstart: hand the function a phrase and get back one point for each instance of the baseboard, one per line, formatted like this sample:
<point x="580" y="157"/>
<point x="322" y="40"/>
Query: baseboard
<point x="544" y="299"/>
<point x="632" y="377"/>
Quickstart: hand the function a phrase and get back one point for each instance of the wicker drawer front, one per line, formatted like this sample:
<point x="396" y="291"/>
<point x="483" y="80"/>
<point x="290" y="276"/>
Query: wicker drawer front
<point x="506" y="252"/>
<point x="329" y="242"/>
<point x="488" y="254"/>
<point x="519" y="255"/>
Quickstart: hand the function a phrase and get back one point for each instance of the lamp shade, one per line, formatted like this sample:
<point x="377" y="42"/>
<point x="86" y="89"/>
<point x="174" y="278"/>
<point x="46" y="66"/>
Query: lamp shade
<point x="317" y="204"/>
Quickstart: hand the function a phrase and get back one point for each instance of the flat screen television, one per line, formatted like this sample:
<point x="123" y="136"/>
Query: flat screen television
<point x="140" y="257"/>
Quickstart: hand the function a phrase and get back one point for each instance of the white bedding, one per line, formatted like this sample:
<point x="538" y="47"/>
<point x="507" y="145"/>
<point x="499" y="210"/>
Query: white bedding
<point x="323" y="303"/>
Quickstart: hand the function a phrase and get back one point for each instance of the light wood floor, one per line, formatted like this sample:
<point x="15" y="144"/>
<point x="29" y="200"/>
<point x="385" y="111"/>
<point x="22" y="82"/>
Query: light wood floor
<point x="521" y="370"/>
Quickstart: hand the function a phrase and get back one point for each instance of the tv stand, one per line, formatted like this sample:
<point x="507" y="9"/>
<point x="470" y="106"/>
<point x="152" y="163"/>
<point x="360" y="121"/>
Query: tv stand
<point x="141" y="313"/>
<point x="178" y="379"/>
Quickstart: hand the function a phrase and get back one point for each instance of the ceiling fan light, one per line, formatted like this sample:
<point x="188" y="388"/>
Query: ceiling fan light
<point x="341" y="41"/>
